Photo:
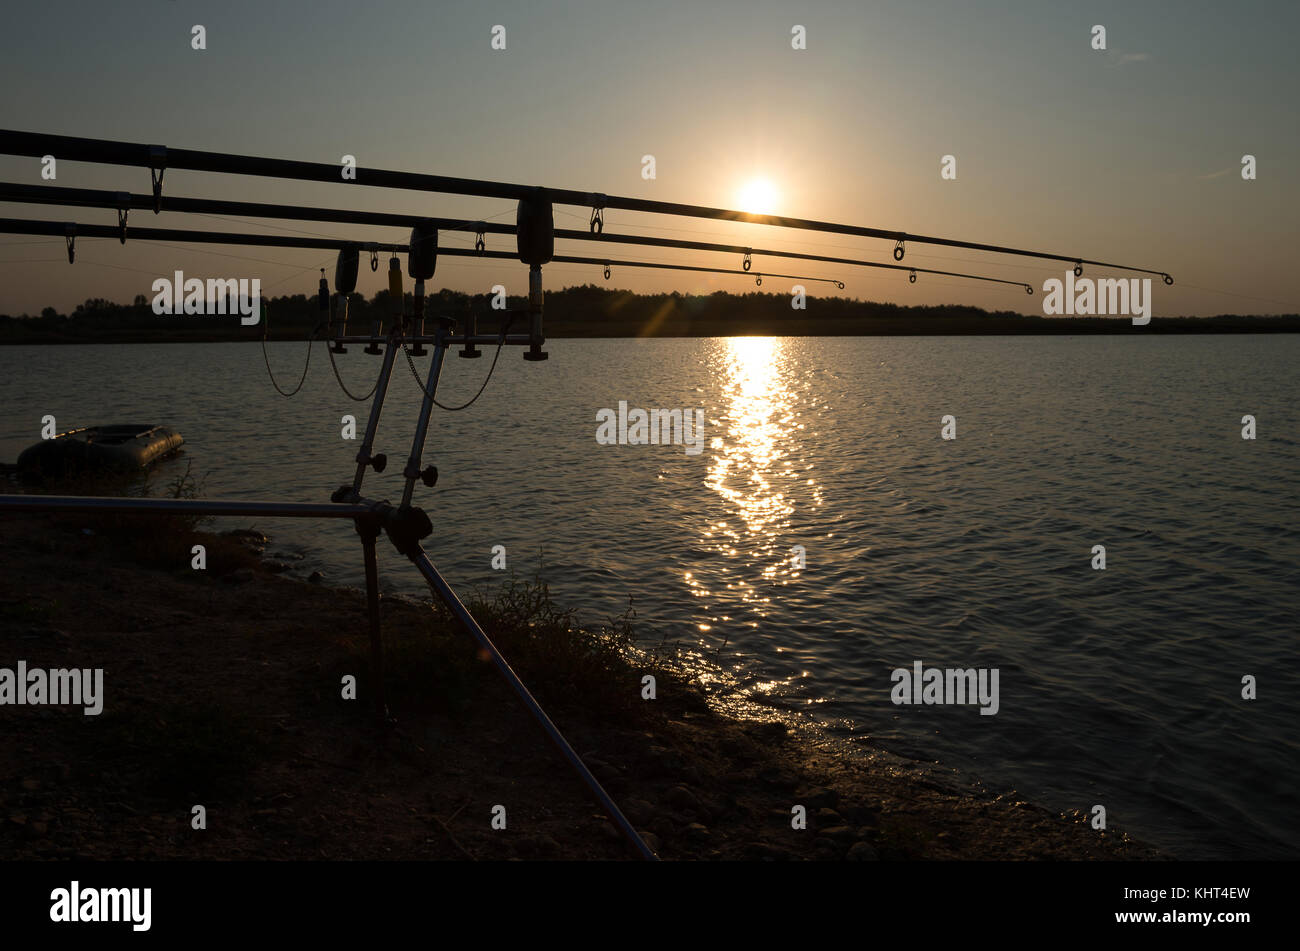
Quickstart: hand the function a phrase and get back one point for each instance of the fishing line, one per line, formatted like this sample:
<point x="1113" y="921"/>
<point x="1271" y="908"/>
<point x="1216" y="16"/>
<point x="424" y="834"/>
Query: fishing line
<point x="222" y="254"/>
<point x="1271" y="300"/>
<point x="310" y="339"/>
<point x="301" y="270"/>
<point x="505" y="327"/>
<point x="116" y="267"/>
<point x="266" y="330"/>
<point x="343" y="386"/>
<point x="229" y="219"/>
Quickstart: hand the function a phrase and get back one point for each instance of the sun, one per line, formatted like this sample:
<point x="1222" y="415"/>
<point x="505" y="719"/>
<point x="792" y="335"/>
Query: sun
<point x="758" y="196"/>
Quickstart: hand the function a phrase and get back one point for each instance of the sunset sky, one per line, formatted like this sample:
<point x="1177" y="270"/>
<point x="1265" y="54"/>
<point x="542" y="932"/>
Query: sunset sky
<point x="1130" y="155"/>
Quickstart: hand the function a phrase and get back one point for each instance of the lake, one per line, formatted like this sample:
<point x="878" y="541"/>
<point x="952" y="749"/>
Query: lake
<point x="1120" y="687"/>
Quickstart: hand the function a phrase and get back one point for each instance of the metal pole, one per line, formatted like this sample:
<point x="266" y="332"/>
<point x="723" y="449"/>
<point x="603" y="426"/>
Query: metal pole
<point x="376" y="407"/>
<point x="412" y="471"/>
<point x="368" y="529"/>
<point x="87" y="503"/>
<point x="420" y="559"/>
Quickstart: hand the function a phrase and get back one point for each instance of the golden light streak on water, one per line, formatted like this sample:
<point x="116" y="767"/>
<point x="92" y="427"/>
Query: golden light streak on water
<point x="750" y="466"/>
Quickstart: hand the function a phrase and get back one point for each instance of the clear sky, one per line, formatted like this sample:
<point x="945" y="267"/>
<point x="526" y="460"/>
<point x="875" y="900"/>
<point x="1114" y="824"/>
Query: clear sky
<point x="1130" y="155"/>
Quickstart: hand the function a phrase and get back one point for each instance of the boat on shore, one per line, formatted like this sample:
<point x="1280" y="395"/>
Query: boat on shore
<point x="97" y="449"/>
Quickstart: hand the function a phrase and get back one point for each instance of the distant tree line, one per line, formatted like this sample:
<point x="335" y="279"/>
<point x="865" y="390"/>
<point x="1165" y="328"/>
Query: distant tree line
<point x="590" y="310"/>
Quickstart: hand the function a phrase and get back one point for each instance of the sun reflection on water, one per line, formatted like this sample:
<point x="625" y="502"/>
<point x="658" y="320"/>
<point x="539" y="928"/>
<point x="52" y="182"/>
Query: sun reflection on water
<point x="751" y="468"/>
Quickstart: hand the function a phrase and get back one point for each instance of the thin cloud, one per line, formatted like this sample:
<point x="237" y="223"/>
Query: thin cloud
<point x="1120" y="58"/>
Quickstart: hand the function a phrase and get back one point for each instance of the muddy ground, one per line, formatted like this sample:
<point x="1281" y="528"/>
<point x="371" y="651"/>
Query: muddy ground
<point x="223" y="689"/>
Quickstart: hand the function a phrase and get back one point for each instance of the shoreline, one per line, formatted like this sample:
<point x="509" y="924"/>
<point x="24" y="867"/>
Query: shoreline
<point x="221" y="688"/>
<point x="602" y="332"/>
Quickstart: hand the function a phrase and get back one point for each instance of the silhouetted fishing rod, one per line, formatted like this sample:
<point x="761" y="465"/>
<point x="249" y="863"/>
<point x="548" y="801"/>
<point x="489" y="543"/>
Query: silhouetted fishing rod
<point x="124" y="202"/>
<point x="159" y="158"/>
<point x="70" y="231"/>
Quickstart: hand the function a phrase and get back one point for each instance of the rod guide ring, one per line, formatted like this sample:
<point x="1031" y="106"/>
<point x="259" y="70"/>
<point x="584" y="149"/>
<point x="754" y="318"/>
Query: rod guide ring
<point x="157" y="166"/>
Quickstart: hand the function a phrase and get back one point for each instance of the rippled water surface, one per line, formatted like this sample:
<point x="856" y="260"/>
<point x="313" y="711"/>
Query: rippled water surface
<point x="1118" y="687"/>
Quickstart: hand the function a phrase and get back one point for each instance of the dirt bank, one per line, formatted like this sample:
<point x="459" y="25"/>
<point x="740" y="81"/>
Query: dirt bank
<point x="222" y="689"/>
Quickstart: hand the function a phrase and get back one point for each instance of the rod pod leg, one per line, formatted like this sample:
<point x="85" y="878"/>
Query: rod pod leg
<point x="420" y="558"/>
<point x="412" y="470"/>
<point x="368" y="529"/>
<point x="364" y="457"/>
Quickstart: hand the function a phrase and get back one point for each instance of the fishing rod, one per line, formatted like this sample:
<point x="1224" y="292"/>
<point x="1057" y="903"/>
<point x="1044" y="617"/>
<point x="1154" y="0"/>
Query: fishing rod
<point x="73" y="230"/>
<point x="159" y="158"/>
<point x="124" y="202"/>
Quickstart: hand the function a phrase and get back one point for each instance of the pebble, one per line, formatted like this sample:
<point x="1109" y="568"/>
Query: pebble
<point x="638" y="810"/>
<point x="862" y="852"/>
<point x="679" y="797"/>
<point x="665" y="759"/>
<point x="611" y="831"/>
<point x="824" y="848"/>
<point x="818" y="797"/>
<point x="767" y="730"/>
<point x="248" y="537"/>
<point x="540" y="845"/>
